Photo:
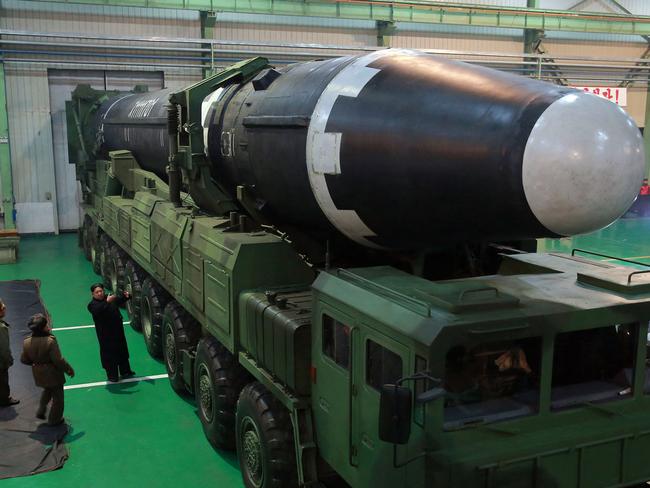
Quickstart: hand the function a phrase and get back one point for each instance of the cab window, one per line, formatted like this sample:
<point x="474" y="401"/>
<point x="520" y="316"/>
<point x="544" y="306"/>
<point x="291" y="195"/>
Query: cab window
<point x="383" y="366"/>
<point x="594" y="365"/>
<point x="492" y="381"/>
<point x="336" y="341"/>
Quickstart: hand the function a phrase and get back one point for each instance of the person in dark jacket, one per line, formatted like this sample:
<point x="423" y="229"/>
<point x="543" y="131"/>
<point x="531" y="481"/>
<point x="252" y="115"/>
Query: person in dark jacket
<point x="113" y="350"/>
<point x="6" y="360"/>
<point x="41" y="352"/>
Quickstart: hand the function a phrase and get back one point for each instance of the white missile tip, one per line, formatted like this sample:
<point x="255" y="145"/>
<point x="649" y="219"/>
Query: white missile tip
<point x="583" y="164"/>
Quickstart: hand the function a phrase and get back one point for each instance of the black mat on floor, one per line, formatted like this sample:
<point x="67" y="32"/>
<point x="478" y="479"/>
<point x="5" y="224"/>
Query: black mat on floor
<point x="27" y="445"/>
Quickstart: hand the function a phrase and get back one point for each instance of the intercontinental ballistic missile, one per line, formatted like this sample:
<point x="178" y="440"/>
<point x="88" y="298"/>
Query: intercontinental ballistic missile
<point x="399" y="149"/>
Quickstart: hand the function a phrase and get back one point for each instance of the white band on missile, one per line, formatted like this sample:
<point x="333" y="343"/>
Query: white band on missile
<point x="101" y="127"/>
<point x="324" y="148"/>
<point x="205" y="111"/>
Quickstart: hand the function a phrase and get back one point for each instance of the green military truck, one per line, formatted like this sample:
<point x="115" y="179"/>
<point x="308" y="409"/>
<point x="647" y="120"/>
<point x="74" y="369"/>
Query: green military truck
<point x="327" y="364"/>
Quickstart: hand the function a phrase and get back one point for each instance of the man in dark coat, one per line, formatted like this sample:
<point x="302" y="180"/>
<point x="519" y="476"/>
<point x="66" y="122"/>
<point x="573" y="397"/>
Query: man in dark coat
<point x="42" y="353"/>
<point x="113" y="350"/>
<point x="6" y="360"/>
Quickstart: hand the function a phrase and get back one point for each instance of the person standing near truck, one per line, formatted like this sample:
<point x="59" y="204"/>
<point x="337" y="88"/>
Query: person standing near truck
<point x="6" y="361"/>
<point x="41" y="352"/>
<point x="113" y="350"/>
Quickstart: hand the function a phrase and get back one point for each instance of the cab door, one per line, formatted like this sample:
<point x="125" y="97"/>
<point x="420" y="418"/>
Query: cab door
<point x="378" y="360"/>
<point x="332" y="360"/>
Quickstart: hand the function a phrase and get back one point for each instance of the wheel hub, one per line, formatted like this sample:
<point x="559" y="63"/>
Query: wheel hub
<point x="146" y="319"/>
<point x="205" y="393"/>
<point x="129" y="304"/>
<point x="170" y="346"/>
<point x="252" y="453"/>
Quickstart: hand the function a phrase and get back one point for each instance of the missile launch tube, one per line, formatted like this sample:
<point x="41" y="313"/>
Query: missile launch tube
<point x="399" y="149"/>
<point x="136" y="122"/>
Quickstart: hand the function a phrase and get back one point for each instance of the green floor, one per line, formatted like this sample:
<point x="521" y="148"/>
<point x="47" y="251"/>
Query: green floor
<point x="143" y="434"/>
<point x="128" y="435"/>
<point x="625" y="238"/>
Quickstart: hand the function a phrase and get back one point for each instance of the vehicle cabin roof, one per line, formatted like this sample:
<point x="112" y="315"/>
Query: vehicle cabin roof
<point x="528" y="285"/>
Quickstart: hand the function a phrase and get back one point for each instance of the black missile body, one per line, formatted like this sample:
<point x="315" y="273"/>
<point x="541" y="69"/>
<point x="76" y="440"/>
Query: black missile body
<point x="404" y="150"/>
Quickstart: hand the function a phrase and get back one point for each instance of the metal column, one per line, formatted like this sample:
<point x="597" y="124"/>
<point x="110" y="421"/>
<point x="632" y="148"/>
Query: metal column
<point x="532" y="38"/>
<point x="385" y="30"/>
<point x="208" y="21"/>
<point x="8" y="235"/>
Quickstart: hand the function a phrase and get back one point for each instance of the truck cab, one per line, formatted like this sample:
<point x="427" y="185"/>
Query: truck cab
<point x="540" y="372"/>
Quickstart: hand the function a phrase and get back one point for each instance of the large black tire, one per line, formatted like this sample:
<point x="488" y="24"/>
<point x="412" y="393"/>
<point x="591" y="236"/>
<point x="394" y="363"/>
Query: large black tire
<point x="180" y="332"/>
<point x="218" y="380"/>
<point x="133" y="279"/>
<point x="86" y="236"/>
<point x="152" y="304"/>
<point x="116" y="268"/>
<point x="265" y="447"/>
<point x="105" y="243"/>
<point x="95" y="250"/>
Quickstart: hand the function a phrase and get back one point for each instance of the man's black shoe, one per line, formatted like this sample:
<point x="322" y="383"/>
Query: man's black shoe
<point x="10" y="401"/>
<point x="113" y="379"/>
<point x="130" y="374"/>
<point x="57" y="423"/>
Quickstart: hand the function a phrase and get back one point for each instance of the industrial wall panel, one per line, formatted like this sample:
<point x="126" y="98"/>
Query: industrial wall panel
<point x="600" y="49"/>
<point x="36" y="127"/>
<point x="104" y="20"/>
<point x="317" y="32"/>
<point x="636" y="101"/>
<point x="591" y="37"/>
<point x="31" y="137"/>
<point x="595" y="49"/>
<point x="260" y="19"/>
<point x="428" y="40"/>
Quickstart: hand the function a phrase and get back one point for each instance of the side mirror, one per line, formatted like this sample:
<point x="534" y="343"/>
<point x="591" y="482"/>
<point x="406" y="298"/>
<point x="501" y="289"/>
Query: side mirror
<point x="395" y="408"/>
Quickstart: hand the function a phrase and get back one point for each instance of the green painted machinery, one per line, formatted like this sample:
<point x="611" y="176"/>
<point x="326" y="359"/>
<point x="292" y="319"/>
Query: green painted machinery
<point x="533" y="375"/>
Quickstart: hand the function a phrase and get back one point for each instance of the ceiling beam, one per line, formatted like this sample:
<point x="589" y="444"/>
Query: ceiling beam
<point x="414" y="11"/>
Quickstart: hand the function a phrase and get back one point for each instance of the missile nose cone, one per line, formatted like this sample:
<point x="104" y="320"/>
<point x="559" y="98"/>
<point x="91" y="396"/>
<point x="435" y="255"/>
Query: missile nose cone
<point x="583" y="164"/>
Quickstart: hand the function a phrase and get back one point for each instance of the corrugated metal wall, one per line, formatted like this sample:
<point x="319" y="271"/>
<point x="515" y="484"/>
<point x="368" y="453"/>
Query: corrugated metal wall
<point x="421" y="36"/>
<point x="27" y="86"/>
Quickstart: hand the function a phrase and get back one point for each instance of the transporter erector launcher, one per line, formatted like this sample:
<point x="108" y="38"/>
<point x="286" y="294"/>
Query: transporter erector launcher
<point x="399" y="149"/>
<point x="382" y="369"/>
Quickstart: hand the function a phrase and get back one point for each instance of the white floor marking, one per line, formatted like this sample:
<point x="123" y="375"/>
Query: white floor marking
<point x="56" y="329"/>
<point x="128" y="380"/>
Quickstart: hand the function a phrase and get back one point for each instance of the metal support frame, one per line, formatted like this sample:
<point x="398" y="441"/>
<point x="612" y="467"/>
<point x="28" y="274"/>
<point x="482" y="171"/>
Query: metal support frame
<point x="532" y="40"/>
<point x="208" y="21"/>
<point x="384" y="32"/>
<point x="432" y="12"/>
<point x="8" y="236"/>
<point x="189" y="147"/>
<point x="5" y="158"/>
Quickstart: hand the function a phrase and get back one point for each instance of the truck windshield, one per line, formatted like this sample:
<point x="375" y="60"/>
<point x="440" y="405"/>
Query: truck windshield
<point x="593" y="365"/>
<point x="492" y="381"/>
